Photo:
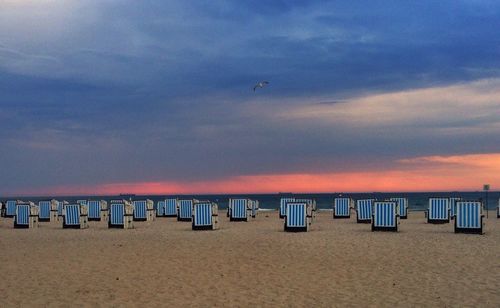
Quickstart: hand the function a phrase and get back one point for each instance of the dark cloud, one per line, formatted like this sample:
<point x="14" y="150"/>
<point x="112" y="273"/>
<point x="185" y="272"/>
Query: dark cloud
<point x="150" y="91"/>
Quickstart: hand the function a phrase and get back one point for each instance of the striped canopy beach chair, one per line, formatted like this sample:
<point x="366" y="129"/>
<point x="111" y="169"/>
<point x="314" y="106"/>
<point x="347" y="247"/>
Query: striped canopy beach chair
<point x="342" y="207"/>
<point x="60" y="207"/>
<point x="25" y="215"/>
<point x="47" y="210"/>
<point x="364" y="210"/>
<point x="298" y="216"/>
<point x="10" y="208"/>
<point x="453" y="206"/>
<point x="282" y="209"/>
<point x="171" y="207"/>
<point x="469" y="217"/>
<point x="81" y="201"/>
<point x="143" y="210"/>
<point x="438" y="211"/>
<point x="240" y="209"/>
<point x="185" y="210"/>
<point x="98" y="210"/>
<point x="385" y="216"/>
<point x="402" y="205"/>
<point x="160" y="208"/>
<point x="205" y="216"/>
<point x="120" y="214"/>
<point x="75" y="216"/>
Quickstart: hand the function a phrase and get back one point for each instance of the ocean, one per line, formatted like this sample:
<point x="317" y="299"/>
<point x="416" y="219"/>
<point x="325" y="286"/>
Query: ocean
<point x="417" y="201"/>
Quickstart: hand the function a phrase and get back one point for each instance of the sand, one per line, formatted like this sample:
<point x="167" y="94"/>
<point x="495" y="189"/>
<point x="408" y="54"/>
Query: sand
<point x="164" y="263"/>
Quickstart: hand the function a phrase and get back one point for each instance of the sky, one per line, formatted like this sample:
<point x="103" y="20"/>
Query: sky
<point x="156" y="97"/>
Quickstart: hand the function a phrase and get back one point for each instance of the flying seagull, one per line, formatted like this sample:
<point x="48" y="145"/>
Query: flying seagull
<point x="260" y="85"/>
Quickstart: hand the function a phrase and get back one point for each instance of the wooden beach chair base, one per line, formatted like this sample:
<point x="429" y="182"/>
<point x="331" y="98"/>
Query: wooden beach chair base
<point x="19" y="226"/>
<point x="386" y="229"/>
<point x="238" y="219"/>
<point x="295" y="229"/>
<point x="140" y="219"/>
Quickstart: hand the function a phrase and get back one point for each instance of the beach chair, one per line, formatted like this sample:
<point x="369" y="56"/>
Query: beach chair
<point x="385" y="216"/>
<point x="498" y="209"/>
<point x="185" y="210"/>
<point x="160" y="208"/>
<point x="205" y="216"/>
<point x="469" y="217"/>
<point x="298" y="216"/>
<point x="120" y="214"/>
<point x="98" y="210"/>
<point x="282" y="209"/>
<point x="240" y="209"/>
<point x="25" y="215"/>
<point x="310" y="202"/>
<point x="364" y="210"/>
<point x="453" y="207"/>
<point x="255" y="208"/>
<point x="75" y="216"/>
<point x="47" y="210"/>
<point x="10" y="208"/>
<point x="143" y="210"/>
<point x="60" y="207"/>
<point x="171" y="207"/>
<point x="342" y="207"/>
<point x="402" y="205"/>
<point x="81" y="201"/>
<point x="438" y="211"/>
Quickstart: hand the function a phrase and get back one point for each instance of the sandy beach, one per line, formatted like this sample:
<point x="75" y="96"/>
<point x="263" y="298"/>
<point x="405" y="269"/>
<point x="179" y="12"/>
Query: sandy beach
<point x="164" y="263"/>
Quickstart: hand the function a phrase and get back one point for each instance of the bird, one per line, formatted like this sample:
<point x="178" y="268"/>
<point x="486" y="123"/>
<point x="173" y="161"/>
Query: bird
<point x="260" y="85"/>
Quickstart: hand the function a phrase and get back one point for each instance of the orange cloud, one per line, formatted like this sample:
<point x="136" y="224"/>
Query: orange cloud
<point x="430" y="173"/>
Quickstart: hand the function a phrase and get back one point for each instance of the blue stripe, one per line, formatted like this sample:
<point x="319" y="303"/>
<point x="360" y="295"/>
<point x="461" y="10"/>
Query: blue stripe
<point x="364" y="209"/>
<point x="94" y="209"/>
<point x="44" y="209"/>
<point x="117" y="213"/>
<point x="202" y="214"/>
<point x="72" y="214"/>
<point x="185" y="208"/>
<point x="22" y="214"/>
<point x="171" y="207"/>
<point x="296" y="214"/>
<point x="238" y="208"/>
<point x="385" y="213"/>
<point x="341" y="206"/>
<point x="10" y="208"/>
<point x="140" y="209"/>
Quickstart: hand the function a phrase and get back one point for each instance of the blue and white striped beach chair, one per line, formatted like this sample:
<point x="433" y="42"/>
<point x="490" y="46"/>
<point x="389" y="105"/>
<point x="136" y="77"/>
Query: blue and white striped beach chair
<point x="120" y="214"/>
<point x="185" y="210"/>
<point x="98" y="210"/>
<point x="160" y="208"/>
<point x="469" y="218"/>
<point x="364" y="210"/>
<point x="298" y="216"/>
<point x="402" y="205"/>
<point x="342" y="207"/>
<point x="205" y="216"/>
<point x="453" y="206"/>
<point x="240" y="209"/>
<point x="25" y="215"/>
<point x="438" y="211"/>
<point x="171" y="207"/>
<point x="143" y="210"/>
<point x="10" y="208"/>
<point x="75" y="216"/>
<point x="45" y="208"/>
<point x="81" y="201"/>
<point x="282" y="209"/>
<point x="385" y="216"/>
<point x="60" y="207"/>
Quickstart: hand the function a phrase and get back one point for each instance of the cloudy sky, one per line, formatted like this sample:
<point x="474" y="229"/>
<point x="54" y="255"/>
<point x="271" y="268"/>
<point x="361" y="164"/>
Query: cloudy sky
<point x="156" y="96"/>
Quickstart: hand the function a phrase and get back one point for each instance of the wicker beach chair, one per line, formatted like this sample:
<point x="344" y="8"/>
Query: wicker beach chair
<point x="98" y="210"/>
<point x="205" y="216"/>
<point x="453" y="207"/>
<point x="298" y="216"/>
<point x="385" y="216"/>
<point x="364" y="210"/>
<point x="402" y="206"/>
<point x="10" y="208"/>
<point x="240" y="209"/>
<point x="282" y="209"/>
<point x="438" y="211"/>
<point x="120" y="214"/>
<point x="469" y="217"/>
<point x="25" y="215"/>
<point x="342" y="207"/>
<point x="171" y="205"/>
<point x="75" y="216"/>
<point x="47" y="210"/>
<point x="185" y="210"/>
<point x="143" y="210"/>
